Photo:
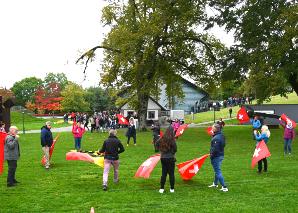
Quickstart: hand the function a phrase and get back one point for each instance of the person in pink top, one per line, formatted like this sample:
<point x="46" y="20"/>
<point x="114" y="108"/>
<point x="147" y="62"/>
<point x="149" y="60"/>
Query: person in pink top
<point x="176" y="124"/>
<point x="78" y="132"/>
<point x="289" y="135"/>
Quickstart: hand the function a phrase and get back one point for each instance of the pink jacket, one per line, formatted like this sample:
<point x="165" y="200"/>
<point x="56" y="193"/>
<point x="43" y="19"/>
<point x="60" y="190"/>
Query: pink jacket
<point x="176" y="125"/>
<point x="78" y="131"/>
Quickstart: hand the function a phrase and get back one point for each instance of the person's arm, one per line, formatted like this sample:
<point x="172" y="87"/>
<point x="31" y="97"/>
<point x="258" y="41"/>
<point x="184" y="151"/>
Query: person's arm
<point x="175" y="147"/>
<point x="281" y="122"/>
<point x="120" y="148"/>
<point x="10" y="141"/>
<point x="223" y="123"/>
<point x="258" y="137"/>
<point x="43" y="138"/>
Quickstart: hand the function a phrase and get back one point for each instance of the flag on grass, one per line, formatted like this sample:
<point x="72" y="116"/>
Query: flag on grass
<point x="189" y="169"/>
<point x="2" y="141"/>
<point x="181" y="130"/>
<point x="209" y="130"/>
<point x="242" y="115"/>
<point x="122" y="120"/>
<point x="89" y="156"/>
<point x="261" y="152"/>
<point x="285" y="118"/>
<point x="147" y="167"/>
<point x="43" y="160"/>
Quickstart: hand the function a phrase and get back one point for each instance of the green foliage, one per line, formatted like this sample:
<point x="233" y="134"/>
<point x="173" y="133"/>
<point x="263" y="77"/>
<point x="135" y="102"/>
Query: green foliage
<point x="74" y="99"/>
<point x="99" y="99"/>
<point x="59" y="78"/>
<point x="25" y="89"/>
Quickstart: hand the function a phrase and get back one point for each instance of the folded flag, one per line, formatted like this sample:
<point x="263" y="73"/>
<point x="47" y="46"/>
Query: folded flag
<point x="2" y="141"/>
<point x="160" y="134"/>
<point x="43" y="160"/>
<point x="147" y="166"/>
<point x="90" y="156"/>
<point x="189" y="169"/>
<point x="285" y="118"/>
<point x="242" y="115"/>
<point x="261" y="152"/>
<point x="209" y="130"/>
<point x="122" y="120"/>
<point x="181" y="130"/>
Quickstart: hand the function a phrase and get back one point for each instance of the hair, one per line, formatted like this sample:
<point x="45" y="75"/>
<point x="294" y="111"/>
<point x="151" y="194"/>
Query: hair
<point x="266" y="130"/>
<point x="113" y="132"/>
<point x="13" y="127"/>
<point x="217" y="127"/>
<point x="167" y="141"/>
<point x="48" y="123"/>
<point x="2" y="123"/>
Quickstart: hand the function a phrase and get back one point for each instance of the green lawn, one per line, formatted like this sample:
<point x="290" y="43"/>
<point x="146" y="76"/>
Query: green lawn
<point x="73" y="186"/>
<point x="31" y="122"/>
<point x="291" y="99"/>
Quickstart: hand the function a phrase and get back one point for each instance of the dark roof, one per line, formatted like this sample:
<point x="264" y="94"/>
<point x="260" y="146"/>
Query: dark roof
<point x="152" y="99"/>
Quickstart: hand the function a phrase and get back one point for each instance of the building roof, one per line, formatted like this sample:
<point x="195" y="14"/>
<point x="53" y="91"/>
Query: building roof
<point x="153" y="100"/>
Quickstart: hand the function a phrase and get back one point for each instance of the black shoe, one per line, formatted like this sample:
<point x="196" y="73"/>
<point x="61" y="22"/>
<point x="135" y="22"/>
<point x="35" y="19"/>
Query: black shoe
<point x="105" y="188"/>
<point x="11" y="185"/>
<point x="15" y="181"/>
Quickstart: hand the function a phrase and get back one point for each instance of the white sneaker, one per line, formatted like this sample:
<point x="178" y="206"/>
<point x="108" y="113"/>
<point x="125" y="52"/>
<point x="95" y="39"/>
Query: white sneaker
<point x="172" y="190"/>
<point x="213" y="185"/>
<point x="161" y="191"/>
<point x="224" y="189"/>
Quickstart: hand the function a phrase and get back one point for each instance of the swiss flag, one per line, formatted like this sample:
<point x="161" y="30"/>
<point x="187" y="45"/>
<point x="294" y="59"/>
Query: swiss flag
<point x="181" y="130"/>
<point x="160" y="134"/>
<point x="285" y="118"/>
<point x="190" y="168"/>
<point x="2" y="141"/>
<point x="209" y="130"/>
<point x="43" y="160"/>
<point x="122" y="120"/>
<point x="242" y="115"/>
<point x="147" y="167"/>
<point x="261" y="152"/>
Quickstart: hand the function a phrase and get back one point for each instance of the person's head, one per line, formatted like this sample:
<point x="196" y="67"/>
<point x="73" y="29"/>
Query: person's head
<point x="215" y="128"/>
<point x="289" y="124"/>
<point x="256" y="117"/>
<point x="2" y="124"/>
<point x="176" y="120"/>
<point x="13" y="130"/>
<point x="131" y="120"/>
<point x="167" y="140"/>
<point x="113" y="132"/>
<point x="265" y="130"/>
<point x="49" y="124"/>
<point x="220" y="119"/>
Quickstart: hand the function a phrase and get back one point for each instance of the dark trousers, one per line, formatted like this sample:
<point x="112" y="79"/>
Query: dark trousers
<point x="134" y="138"/>
<point x="168" y="167"/>
<point x="155" y="139"/>
<point x="260" y="165"/>
<point x="93" y="127"/>
<point x="12" y="167"/>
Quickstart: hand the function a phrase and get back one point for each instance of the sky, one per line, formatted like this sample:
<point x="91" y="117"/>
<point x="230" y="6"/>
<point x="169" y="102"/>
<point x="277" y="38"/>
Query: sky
<point x="42" y="36"/>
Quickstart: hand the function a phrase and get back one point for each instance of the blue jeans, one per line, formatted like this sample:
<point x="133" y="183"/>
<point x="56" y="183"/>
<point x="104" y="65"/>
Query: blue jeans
<point x="78" y="143"/>
<point x="288" y="146"/>
<point x="216" y="164"/>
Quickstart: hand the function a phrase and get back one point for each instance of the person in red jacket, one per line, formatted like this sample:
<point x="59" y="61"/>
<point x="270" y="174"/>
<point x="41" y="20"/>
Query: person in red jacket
<point x="78" y="132"/>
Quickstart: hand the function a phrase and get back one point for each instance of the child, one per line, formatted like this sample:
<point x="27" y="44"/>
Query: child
<point x="131" y="132"/>
<point x="264" y="135"/>
<point x="78" y="132"/>
<point x="289" y="135"/>
<point x="156" y="134"/>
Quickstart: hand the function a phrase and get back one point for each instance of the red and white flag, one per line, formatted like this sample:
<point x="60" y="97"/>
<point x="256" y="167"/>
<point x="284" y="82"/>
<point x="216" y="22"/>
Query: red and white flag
<point x="190" y="168"/>
<point x="43" y="160"/>
<point x="2" y="141"/>
<point x="160" y="134"/>
<point x="147" y="167"/>
<point x="181" y="130"/>
<point x="209" y="130"/>
<point x="285" y="118"/>
<point x="261" y="152"/>
<point x="242" y="115"/>
<point x="122" y="120"/>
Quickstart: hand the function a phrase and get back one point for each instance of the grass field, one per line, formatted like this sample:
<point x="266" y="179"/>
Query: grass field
<point x="291" y="99"/>
<point x="31" y="122"/>
<point x="73" y="186"/>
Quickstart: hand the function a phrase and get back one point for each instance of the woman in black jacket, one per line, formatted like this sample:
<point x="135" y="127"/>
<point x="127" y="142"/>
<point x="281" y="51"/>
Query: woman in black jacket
<point x="131" y="131"/>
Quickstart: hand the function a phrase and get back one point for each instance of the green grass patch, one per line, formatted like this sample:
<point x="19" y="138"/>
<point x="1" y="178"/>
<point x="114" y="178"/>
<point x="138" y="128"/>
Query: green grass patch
<point x="73" y="186"/>
<point x="291" y="98"/>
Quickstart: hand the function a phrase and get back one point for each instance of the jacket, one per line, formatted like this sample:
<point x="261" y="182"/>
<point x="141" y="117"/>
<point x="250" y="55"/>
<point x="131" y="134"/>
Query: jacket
<point x="263" y="136"/>
<point x="176" y="125"/>
<point x="112" y="147"/>
<point x="11" y="148"/>
<point x="289" y="133"/>
<point x="218" y="143"/>
<point x="78" y="131"/>
<point x="256" y="124"/>
<point x="131" y="131"/>
<point x="155" y="130"/>
<point x="168" y="154"/>
<point x="46" y="137"/>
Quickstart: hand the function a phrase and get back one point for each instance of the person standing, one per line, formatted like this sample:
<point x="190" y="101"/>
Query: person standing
<point x="156" y="134"/>
<point x="256" y="125"/>
<point x="46" y="139"/>
<point x="263" y="136"/>
<point x="230" y="112"/>
<point x="78" y="132"/>
<point x="167" y="147"/>
<point x="111" y="148"/>
<point x="176" y="125"/>
<point x="289" y="135"/>
<point x="217" y="155"/>
<point x="131" y="131"/>
<point x="12" y="155"/>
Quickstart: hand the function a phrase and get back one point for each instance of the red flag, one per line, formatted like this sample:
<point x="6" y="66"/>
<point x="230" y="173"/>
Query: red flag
<point x="43" y="160"/>
<point x="285" y="118"/>
<point x="160" y="134"/>
<point x="147" y="166"/>
<point x="181" y="130"/>
<point x="261" y="152"/>
<point x="242" y="115"/>
<point x="209" y="130"/>
<point x="122" y="120"/>
<point x="190" y="168"/>
<point x="2" y="141"/>
<point x="91" y="157"/>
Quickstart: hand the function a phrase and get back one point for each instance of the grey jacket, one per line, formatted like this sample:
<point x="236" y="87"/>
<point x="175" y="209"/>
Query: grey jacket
<point x="11" y="148"/>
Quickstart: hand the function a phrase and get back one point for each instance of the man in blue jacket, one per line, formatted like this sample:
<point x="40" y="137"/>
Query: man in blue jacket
<point x="217" y="156"/>
<point x="46" y="139"/>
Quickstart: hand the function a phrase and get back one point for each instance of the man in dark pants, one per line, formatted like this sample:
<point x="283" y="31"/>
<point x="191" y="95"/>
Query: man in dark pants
<point x="12" y="154"/>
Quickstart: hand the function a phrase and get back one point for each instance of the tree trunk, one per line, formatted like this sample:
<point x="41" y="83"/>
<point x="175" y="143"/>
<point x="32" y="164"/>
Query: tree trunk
<point x="294" y="82"/>
<point x="142" y="111"/>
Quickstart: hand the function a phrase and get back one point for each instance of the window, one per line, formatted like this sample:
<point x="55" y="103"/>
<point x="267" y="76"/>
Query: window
<point x="151" y="114"/>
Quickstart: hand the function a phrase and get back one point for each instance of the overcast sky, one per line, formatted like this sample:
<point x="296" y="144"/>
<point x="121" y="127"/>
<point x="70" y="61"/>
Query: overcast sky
<point x="42" y="36"/>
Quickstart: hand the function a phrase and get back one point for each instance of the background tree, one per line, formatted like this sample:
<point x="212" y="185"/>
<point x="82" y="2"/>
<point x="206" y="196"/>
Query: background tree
<point x="74" y="99"/>
<point x="266" y="35"/>
<point x="25" y="89"/>
<point x="59" y="78"/>
<point x="99" y="99"/>
<point x="152" y="41"/>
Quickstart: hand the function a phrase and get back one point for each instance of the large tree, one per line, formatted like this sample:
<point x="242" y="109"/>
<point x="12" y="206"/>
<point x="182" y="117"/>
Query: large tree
<point x="59" y="78"/>
<point x="151" y="42"/>
<point x="266" y="43"/>
<point x="98" y="99"/>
